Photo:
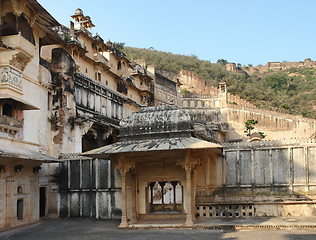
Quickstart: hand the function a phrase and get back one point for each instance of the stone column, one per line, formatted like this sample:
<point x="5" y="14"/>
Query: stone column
<point x="174" y="185"/>
<point x="151" y="187"/>
<point x="9" y="202"/>
<point x="188" y="170"/>
<point x="124" y="200"/>
<point x="134" y="189"/>
<point x="162" y="184"/>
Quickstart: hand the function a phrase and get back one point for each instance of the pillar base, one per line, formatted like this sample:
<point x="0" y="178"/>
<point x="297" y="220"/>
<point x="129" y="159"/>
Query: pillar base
<point x="188" y="223"/>
<point x="123" y="225"/>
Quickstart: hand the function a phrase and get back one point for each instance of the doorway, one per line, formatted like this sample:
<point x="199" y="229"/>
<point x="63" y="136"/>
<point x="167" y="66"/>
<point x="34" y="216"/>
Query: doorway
<point x="42" y="201"/>
<point x="19" y="208"/>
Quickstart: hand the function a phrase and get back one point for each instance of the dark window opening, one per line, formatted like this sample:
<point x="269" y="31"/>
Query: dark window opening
<point x="7" y="110"/>
<point x="8" y="26"/>
<point x="19" y="209"/>
<point x="119" y="66"/>
<point x="25" y="29"/>
<point x="19" y="189"/>
<point x="99" y="76"/>
<point x="11" y="25"/>
<point x="121" y="87"/>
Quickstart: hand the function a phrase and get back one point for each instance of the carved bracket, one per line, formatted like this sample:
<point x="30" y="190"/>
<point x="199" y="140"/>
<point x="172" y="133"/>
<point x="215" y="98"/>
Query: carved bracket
<point x="124" y="165"/>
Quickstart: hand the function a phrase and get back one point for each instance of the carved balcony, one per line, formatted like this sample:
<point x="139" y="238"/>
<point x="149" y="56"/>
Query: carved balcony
<point x="19" y="51"/>
<point x="10" y="126"/>
<point x="99" y="58"/>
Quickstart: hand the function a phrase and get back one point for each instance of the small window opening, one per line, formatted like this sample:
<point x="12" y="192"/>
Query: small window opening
<point x="19" y="189"/>
<point x="7" y="110"/>
<point x="119" y="66"/>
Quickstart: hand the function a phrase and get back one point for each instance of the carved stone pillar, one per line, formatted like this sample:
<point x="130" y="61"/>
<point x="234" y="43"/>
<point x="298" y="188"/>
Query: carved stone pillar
<point x="134" y="193"/>
<point x="188" y="171"/>
<point x="162" y="184"/>
<point x="124" y="199"/>
<point x="174" y="185"/>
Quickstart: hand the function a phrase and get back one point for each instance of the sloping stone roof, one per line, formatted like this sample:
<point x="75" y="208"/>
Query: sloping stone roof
<point x="160" y="128"/>
<point x="7" y="151"/>
<point x="163" y="144"/>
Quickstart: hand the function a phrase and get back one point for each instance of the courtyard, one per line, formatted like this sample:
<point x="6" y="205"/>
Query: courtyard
<point x="87" y="229"/>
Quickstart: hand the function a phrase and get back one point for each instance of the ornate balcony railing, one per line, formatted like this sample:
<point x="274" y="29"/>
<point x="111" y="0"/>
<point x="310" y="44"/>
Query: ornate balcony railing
<point x="9" y="125"/>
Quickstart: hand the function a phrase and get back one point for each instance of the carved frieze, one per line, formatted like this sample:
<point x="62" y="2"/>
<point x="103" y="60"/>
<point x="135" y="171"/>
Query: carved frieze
<point x="9" y="77"/>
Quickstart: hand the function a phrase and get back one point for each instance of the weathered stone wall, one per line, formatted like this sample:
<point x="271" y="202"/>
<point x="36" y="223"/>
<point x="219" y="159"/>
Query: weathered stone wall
<point x="264" y="179"/>
<point x="270" y="166"/>
<point x="88" y="188"/>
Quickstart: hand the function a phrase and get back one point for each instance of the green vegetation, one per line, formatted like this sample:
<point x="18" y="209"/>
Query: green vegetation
<point x="249" y="126"/>
<point x="292" y="92"/>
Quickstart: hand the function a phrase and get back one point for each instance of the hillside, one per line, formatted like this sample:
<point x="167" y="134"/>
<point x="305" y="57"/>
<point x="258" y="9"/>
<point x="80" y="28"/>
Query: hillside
<point x="292" y="91"/>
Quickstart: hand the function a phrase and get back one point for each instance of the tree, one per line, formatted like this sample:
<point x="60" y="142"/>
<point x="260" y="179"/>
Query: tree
<point x="249" y="125"/>
<point x="222" y="62"/>
<point x="119" y="45"/>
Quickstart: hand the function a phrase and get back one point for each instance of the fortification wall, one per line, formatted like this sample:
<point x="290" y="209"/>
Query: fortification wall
<point x="277" y="126"/>
<point x="284" y="66"/>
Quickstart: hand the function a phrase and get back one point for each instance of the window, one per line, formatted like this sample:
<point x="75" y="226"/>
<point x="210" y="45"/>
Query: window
<point x="7" y="110"/>
<point x="12" y="24"/>
<point x="8" y="26"/>
<point x="25" y="29"/>
<point x="19" y="189"/>
<point x="119" y="66"/>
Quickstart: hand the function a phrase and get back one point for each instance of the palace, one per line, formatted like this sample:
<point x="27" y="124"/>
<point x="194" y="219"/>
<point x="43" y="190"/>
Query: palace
<point x="87" y="132"/>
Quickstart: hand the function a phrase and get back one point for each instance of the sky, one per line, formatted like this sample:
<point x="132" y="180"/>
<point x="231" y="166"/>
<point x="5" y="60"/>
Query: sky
<point x="241" y="31"/>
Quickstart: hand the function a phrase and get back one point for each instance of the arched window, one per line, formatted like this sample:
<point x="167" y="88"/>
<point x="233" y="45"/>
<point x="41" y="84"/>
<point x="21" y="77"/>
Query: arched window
<point x="19" y="189"/>
<point x="119" y="66"/>
<point x="7" y="110"/>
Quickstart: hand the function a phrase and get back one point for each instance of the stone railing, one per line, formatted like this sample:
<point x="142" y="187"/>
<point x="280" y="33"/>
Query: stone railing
<point x="9" y="125"/>
<point x="100" y="58"/>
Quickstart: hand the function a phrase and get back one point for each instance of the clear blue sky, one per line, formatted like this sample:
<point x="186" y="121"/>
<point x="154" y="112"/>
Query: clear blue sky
<point x="240" y="31"/>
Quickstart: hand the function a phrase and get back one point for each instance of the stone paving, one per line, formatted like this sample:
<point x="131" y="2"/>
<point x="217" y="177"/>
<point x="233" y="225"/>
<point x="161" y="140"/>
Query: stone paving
<point x="87" y="229"/>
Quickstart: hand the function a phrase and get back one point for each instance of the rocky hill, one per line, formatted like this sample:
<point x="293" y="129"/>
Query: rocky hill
<point x="288" y="90"/>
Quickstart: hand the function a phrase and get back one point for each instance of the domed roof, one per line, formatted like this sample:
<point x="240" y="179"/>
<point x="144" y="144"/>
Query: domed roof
<point x="156" y="122"/>
<point x="78" y="12"/>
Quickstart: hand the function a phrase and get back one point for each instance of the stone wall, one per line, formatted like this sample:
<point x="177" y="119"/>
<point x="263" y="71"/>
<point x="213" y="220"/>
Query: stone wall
<point x="270" y="166"/>
<point x="264" y="179"/>
<point x="88" y="188"/>
<point x="277" y="126"/>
